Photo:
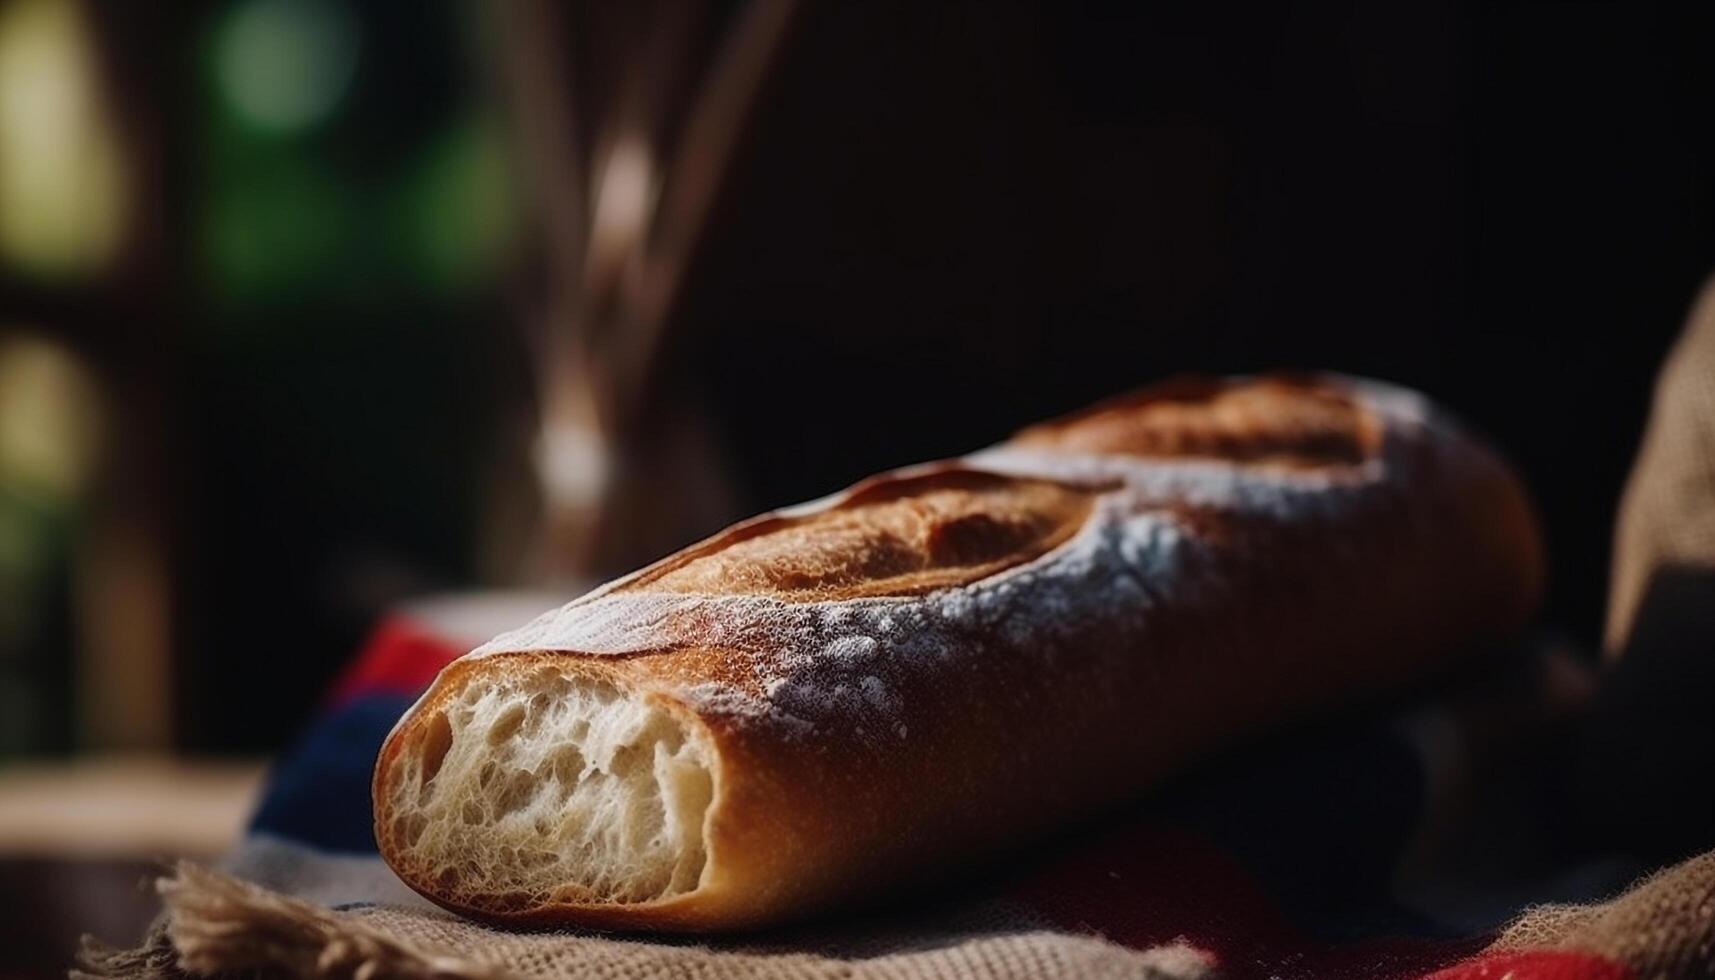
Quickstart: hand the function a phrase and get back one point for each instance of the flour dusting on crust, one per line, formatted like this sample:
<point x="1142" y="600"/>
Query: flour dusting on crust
<point x="842" y="666"/>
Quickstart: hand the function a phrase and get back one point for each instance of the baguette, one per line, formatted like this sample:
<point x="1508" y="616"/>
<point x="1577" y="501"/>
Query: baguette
<point x="945" y="659"/>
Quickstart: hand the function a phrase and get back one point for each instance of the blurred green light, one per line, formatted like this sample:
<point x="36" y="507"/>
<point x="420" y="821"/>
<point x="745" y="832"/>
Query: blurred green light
<point x="275" y="228"/>
<point x="458" y="213"/>
<point x="284" y="65"/>
<point x="49" y="435"/>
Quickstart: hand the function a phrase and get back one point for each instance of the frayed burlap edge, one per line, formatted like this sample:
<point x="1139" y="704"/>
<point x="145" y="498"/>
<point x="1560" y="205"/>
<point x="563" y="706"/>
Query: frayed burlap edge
<point x="214" y="923"/>
<point x="1662" y="927"/>
<point x="154" y="960"/>
<point x="217" y="925"/>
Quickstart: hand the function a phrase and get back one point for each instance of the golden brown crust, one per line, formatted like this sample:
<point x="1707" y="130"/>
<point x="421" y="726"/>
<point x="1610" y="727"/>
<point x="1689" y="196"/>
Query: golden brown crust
<point x="1278" y="419"/>
<point x="896" y="538"/>
<point x="1281" y="613"/>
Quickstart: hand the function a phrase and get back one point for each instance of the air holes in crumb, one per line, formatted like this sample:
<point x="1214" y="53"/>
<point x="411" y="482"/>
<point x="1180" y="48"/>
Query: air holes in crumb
<point x="520" y="787"/>
<point x="437" y="739"/>
<point x="544" y="783"/>
<point x="568" y="766"/>
<point x="626" y="760"/>
<point x="506" y="725"/>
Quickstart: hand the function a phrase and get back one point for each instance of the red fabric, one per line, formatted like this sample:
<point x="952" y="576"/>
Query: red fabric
<point x="1154" y="885"/>
<point x="1148" y="886"/>
<point x="401" y="656"/>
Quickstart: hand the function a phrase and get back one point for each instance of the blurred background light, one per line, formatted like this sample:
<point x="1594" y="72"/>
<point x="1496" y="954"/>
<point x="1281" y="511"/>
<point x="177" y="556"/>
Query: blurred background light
<point x="574" y="460"/>
<point x="459" y="213"/>
<point x="284" y="65"/>
<point x="49" y="418"/>
<point x="49" y="435"/>
<point x="62" y="186"/>
<point x="274" y="225"/>
<point x="624" y="193"/>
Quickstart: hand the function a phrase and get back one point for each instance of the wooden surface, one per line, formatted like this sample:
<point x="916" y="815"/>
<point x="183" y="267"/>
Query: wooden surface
<point x="124" y="807"/>
<point x="81" y="844"/>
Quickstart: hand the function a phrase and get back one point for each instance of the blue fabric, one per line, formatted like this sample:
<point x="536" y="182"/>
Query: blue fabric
<point x="318" y="791"/>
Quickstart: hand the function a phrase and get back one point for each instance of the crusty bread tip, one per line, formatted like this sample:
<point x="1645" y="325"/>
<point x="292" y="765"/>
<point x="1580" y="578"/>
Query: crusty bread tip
<point x="946" y="659"/>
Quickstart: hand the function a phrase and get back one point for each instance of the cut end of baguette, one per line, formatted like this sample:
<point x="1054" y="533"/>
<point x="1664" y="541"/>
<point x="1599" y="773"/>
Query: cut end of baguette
<point x="519" y="791"/>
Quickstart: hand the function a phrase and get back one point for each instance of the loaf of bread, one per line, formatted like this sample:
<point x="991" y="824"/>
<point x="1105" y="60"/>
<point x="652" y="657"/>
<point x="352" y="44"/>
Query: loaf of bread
<point x="943" y="660"/>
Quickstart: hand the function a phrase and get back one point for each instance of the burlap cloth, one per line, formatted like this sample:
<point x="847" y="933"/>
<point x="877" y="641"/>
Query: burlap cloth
<point x="1661" y="929"/>
<point x="217" y="924"/>
<point x="1664" y="927"/>
<point x="1666" y="525"/>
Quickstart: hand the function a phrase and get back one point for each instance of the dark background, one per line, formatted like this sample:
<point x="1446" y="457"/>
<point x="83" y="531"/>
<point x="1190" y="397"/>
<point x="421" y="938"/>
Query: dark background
<point x="956" y="222"/>
<point x="947" y="220"/>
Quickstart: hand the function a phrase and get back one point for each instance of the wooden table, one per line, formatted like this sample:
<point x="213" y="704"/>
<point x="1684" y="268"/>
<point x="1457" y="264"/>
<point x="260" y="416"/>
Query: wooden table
<point x="81" y="844"/>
